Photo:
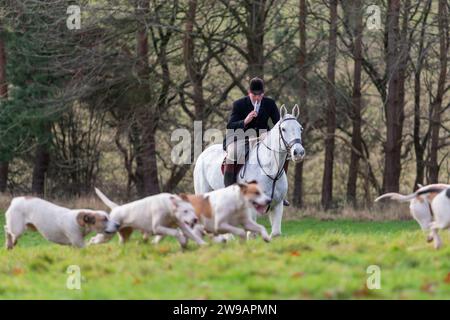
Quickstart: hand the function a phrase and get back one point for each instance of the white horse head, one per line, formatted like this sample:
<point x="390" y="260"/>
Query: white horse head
<point x="290" y="133"/>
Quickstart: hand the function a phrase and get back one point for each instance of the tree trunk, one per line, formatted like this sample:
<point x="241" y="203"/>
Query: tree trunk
<point x="327" y="182"/>
<point x="146" y="170"/>
<point x="419" y="147"/>
<point x="433" y="169"/>
<point x="192" y="67"/>
<point x="4" y="165"/>
<point x="4" y="169"/>
<point x="394" y="105"/>
<point x="303" y="92"/>
<point x="256" y="16"/>
<point x="356" y="151"/>
<point x="41" y="163"/>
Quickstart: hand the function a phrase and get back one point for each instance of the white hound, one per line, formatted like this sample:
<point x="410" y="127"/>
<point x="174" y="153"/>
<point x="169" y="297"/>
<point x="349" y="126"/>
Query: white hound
<point x="161" y="214"/>
<point x="226" y="211"/>
<point x="441" y="209"/>
<point x="55" y="223"/>
<point x="420" y="206"/>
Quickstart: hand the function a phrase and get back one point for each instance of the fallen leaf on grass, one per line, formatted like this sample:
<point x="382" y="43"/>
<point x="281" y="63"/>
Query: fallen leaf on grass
<point x="427" y="287"/>
<point x="364" y="292"/>
<point x="447" y="278"/>
<point x="295" y="254"/>
<point x="18" y="271"/>
<point x="298" y="274"/>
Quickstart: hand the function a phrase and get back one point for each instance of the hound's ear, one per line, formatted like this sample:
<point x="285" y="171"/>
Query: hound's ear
<point x="243" y="187"/>
<point x="174" y="201"/>
<point x="283" y="111"/>
<point x="253" y="181"/>
<point x="84" y="218"/>
<point x="296" y="111"/>
<point x="184" y="196"/>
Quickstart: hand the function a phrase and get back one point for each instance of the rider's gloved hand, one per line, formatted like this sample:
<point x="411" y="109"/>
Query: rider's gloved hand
<point x="250" y="117"/>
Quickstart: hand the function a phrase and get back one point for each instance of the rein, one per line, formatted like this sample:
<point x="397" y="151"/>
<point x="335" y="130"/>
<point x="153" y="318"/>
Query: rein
<point x="288" y="147"/>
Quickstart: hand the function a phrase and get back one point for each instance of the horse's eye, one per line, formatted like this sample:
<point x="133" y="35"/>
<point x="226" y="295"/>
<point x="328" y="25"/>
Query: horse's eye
<point x="283" y="129"/>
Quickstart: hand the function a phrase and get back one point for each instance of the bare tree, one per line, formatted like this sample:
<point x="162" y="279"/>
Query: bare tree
<point x="327" y="181"/>
<point x="146" y="123"/>
<point x="420" y="142"/>
<point x="4" y="165"/>
<point x="355" y="113"/>
<point x="394" y="108"/>
<point x="303" y="96"/>
<point x="41" y="160"/>
<point x="436" y="105"/>
<point x="254" y="32"/>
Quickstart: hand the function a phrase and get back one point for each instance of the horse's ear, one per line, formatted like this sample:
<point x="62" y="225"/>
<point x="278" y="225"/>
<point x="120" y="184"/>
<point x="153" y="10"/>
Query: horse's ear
<point x="296" y="111"/>
<point x="283" y="111"/>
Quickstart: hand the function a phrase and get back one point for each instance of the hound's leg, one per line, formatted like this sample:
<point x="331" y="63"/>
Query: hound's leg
<point x="77" y="240"/>
<point x="437" y="239"/>
<point x="164" y="231"/>
<point x="157" y="239"/>
<point x="9" y="241"/>
<point x="254" y="215"/>
<point x="228" y="228"/>
<point x="145" y="236"/>
<point x="255" y="227"/>
<point x="99" y="238"/>
<point x="124" y="234"/>
<point x="188" y="232"/>
<point x="434" y="232"/>
<point x="275" y="219"/>
<point x="12" y="234"/>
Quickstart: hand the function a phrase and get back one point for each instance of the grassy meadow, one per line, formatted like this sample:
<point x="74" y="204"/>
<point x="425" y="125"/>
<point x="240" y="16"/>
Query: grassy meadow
<point x="313" y="260"/>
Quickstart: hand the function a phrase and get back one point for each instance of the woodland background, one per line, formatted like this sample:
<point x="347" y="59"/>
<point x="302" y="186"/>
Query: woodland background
<point x="96" y="106"/>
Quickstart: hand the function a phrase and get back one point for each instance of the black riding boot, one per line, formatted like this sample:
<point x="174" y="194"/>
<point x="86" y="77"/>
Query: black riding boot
<point x="229" y="174"/>
<point x="285" y="167"/>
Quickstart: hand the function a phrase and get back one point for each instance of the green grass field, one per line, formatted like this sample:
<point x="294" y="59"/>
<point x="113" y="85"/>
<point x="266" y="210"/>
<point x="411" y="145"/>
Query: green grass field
<point x="313" y="260"/>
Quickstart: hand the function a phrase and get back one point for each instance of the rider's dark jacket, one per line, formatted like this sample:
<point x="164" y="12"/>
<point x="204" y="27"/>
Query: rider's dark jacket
<point x="241" y="108"/>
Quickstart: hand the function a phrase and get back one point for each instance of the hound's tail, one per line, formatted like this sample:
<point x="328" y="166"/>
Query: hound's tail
<point x="105" y="199"/>
<point x="397" y="196"/>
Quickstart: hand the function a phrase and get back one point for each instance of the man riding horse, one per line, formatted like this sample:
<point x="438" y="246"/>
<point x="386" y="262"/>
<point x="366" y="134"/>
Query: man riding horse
<point x="250" y="114"/>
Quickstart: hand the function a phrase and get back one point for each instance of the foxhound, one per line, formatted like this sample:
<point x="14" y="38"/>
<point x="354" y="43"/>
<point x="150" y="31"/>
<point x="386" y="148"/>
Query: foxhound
<point x="160" y="214"/>
<point x="420" y="206"/>
<point x="57" y="224"/>
<point x="441" y="209"/>
<point x="228" y="210"/>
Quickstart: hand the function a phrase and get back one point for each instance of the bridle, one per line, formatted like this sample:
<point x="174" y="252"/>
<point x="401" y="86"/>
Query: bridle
<point x="288" y="146"/>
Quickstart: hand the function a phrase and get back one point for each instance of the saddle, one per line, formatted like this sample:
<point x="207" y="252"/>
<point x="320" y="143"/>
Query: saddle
<point x="237" y="167"/>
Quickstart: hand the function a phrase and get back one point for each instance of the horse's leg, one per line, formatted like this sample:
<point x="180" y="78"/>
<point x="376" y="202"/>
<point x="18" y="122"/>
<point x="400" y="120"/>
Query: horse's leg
<point x="253" y="214"/>
<point x="275" y="218"/>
